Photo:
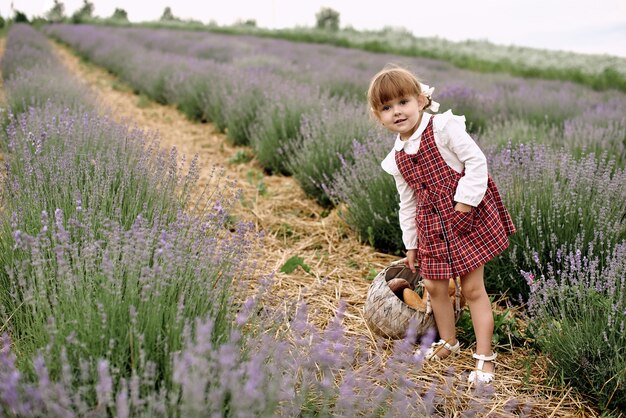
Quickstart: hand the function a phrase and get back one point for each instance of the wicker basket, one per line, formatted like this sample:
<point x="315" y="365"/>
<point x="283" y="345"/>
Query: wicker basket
<point x="387" y="315"/>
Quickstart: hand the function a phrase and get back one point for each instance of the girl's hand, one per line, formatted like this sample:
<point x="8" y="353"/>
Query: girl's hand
<point x="411" y="260"/>
<point x="462" y="207"/>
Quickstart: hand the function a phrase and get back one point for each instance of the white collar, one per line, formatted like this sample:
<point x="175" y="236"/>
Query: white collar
<point x="399" y="144"/>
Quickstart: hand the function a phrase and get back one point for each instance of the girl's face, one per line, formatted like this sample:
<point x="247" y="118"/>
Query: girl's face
<point x="402" y="115"/>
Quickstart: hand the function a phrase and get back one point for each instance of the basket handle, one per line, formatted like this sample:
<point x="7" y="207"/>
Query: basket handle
<point x="395" y="263"/>
<point x="402" y="263"/>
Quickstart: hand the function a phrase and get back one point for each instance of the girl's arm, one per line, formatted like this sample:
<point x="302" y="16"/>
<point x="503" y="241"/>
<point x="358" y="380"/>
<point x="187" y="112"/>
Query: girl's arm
<point x="406" y="213"/>
<point x="473" y="185"/>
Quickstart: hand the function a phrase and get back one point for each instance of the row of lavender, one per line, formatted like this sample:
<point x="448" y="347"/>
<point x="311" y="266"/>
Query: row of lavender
<point x="485" y="99"/>
<point x="102" y="271"/>
<point x="598" y="71"/>
<point x="118" y="302"/>
<point x="284" y="100"/>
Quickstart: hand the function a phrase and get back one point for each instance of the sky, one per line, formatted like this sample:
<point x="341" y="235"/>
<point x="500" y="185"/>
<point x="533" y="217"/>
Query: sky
<point x="597" y="27"/>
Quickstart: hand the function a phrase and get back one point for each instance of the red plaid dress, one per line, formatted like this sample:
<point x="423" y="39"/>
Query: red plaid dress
<point x="451" y="243"/>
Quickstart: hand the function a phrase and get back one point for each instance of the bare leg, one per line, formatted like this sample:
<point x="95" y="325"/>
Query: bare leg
<point x="443" y="311"/>
<point x="473" y="288"/>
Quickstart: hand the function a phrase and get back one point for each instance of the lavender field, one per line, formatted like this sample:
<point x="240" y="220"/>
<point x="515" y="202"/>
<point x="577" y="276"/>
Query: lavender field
<point x="300" y="107"/>
<point x="117" y="299"/>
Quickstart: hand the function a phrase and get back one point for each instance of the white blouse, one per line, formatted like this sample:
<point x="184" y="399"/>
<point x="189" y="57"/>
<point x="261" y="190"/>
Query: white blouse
<point x="458" y="150"/>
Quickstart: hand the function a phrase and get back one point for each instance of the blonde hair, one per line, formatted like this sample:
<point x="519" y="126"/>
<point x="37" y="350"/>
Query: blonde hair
<point x="390" y="83"/>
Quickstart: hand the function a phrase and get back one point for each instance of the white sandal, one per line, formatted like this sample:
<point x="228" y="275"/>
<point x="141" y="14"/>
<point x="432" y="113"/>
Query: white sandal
<point x="479" y="375"/>
<point x="431" y="354"/>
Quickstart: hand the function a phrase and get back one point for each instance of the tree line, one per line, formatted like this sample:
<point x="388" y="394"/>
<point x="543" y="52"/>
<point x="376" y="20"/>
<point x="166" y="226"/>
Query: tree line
<point x="326" y="18"/>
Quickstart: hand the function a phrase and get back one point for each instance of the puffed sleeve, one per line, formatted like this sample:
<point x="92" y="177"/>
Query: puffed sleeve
<point x="389" y="164"/>
<point x="473" y="185"/>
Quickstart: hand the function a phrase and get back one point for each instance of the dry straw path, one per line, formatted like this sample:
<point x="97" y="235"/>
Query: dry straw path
<point x="294" y="225"/>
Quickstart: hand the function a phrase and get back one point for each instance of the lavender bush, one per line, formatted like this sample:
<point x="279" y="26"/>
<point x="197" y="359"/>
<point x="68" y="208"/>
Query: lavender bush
<point x="278" y="123"/>
<point x="605" y="122"/>
<point x="33" y="76"/>
<point x="477" y="108"/>
<point x="74" y="189"/>
<point x="192" y="88"/>
<point x="27" y="49"/>
<point x="36" y="87"/>
<point x="578" y="315"/>
<point x="557" y="203"/>
<point x="185" y="89"/>
<point x="101" y="258"/>
<point x="200" y="90"/>
<point x="369" y="194"/>
<point x="241" y="106"/>
<point x="323" y="138"/>
<point x="102" y="291"/>
<point x="58" y="159"/>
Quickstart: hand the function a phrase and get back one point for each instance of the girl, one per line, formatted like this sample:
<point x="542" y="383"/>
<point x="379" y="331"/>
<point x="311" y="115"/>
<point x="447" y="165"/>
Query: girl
<point x="451" y="215"/>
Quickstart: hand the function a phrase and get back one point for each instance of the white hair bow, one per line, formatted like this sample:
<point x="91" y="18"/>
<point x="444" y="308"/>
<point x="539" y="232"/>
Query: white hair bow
<point x="428" y="91"/>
